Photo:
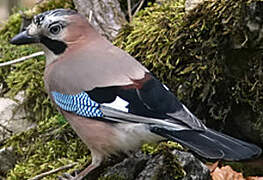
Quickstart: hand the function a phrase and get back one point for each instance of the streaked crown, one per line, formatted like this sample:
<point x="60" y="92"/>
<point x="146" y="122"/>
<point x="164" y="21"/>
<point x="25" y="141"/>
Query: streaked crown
<point x="49" y="17"/>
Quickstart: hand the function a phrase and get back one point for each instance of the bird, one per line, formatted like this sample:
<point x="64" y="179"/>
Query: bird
<point x="111" y="100"/>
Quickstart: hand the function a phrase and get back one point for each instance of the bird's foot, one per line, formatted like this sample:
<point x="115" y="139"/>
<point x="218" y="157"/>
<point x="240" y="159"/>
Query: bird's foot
<point x="67" y="176"/>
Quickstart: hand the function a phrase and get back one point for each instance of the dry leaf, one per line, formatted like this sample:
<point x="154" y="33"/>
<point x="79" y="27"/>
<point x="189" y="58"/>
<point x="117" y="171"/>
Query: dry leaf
<point x="213" y="166"/>
<point x="227" y="173"/>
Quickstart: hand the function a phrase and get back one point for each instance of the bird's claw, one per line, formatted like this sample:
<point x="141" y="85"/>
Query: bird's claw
<point x="67" y="176"/>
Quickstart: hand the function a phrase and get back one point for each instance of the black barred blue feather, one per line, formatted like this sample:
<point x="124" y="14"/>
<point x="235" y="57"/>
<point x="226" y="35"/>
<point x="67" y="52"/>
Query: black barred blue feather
<point x="81" y="104"/>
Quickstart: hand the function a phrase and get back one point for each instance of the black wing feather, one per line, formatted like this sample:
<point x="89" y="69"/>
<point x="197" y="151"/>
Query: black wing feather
<point x="151" y="99"/>
<point x="152" y="104"/>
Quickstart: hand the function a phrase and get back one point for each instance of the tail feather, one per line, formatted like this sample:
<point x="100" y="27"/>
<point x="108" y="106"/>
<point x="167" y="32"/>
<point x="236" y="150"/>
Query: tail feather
<point x="211" y="144"/>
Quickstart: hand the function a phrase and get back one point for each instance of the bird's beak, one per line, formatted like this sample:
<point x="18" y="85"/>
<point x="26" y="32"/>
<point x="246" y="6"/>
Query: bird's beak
<point x="24" y="38"/>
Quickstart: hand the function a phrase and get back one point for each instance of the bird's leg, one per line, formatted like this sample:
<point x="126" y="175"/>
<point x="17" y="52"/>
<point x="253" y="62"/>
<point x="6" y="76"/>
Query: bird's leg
<point x="86" y="171"/>
<point x="97" y="159"/>
<point x="81" y="175"/>
<point x="245" y="41"/>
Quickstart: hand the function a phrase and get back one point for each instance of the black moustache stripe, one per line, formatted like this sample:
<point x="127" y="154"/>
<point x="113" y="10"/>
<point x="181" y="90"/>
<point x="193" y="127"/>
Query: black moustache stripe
<point x="57" y="47"/>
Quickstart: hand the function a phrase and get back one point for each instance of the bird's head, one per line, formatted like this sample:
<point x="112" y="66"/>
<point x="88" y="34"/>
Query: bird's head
<point x="56" y="30"/>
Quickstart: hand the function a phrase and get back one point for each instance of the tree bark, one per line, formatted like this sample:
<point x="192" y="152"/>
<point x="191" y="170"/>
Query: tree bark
<point x="191" y="4"/>
<point x="105" y="15"/>
<point x="11" y="5"/>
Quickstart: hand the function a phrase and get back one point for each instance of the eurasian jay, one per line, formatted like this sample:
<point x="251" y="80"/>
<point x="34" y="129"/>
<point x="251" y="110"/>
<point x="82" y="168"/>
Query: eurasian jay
<point x="112" y="101"/>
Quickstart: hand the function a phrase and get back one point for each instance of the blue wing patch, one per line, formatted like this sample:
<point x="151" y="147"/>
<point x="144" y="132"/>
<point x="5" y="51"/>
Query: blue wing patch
<point x="81" y="104"/>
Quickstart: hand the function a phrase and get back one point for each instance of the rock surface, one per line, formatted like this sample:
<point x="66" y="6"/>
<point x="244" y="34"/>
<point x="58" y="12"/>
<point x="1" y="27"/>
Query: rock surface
<point x="13" y="117"/>
<point x="7" y="160"/>
<point x="147" y="167"/>
<point x="194" y="168"/>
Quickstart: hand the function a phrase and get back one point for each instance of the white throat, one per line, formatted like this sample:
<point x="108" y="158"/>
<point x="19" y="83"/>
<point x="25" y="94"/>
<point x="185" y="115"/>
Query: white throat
<point x="50" y="56"/>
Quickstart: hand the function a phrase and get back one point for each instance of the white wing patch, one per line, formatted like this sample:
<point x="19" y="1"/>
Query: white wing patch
<point x="166" y="87"/>
<point x="119" y="104"/>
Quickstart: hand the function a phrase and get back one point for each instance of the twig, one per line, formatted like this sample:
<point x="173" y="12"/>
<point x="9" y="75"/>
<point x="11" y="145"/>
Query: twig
<point x="138" y="8"/>
<point x="90" y="15"/>
<point x="5" y="128"/>
<point x="22" y="59"/>
<point x="53" y="171"/>
<point x="129" y="10"/>
<point x="39" y="1"/>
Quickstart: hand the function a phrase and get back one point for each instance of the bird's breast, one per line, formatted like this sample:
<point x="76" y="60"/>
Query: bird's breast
<point x="108" y="138"/>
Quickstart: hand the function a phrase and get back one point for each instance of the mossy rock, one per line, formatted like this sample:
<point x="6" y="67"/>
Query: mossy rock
<point x="155" y="161"/>
<point x="194" y="55"/>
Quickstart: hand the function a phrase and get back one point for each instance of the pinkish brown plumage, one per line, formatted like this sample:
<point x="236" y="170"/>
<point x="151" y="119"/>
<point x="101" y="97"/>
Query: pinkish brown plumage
<point x="113" y="102"/>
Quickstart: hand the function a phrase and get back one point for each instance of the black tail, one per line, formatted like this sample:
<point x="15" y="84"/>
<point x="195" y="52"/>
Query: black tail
<point x="211" y="144"/>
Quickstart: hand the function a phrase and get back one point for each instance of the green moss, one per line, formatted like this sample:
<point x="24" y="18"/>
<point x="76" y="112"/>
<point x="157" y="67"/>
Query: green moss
<point x="47" y="147"/>
<point x="156" y="148"/>
<point x="183" y="51"/>
<point x="149" y="148"/>
<point x="191" y="54"/>
<point x="172" y="167"/>
<point x="8" y="52"/>
<point x="28" y="75"/>
<point x="151" y="30"/>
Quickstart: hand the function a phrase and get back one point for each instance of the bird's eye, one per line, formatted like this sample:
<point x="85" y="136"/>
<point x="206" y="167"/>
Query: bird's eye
<point x="55" y="29"/>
